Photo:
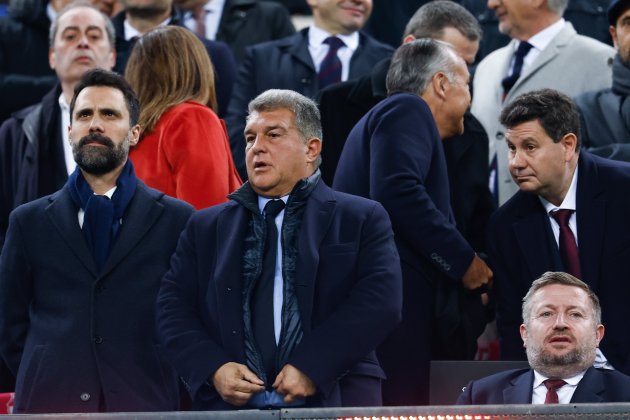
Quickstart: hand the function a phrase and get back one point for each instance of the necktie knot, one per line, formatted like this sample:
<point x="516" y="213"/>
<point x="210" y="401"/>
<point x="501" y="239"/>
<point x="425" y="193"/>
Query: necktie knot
<point x="273" y="208"/>
<point x="334" y="43"/>
<point x="562" y="216"/>
<point x="554" y="384"/>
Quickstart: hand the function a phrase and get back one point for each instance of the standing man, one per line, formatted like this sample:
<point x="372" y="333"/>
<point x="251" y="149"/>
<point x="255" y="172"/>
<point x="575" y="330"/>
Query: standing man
<point x="279" y="297"/>
<point x="569" y="215"/>
<point x="561" y="331"/>
<point x="545" y="52"/>
<point x="331" y="50"/>
<point x="394" y="155"/>
<point x="140" y="16"/>
<point x="80" y="272"/>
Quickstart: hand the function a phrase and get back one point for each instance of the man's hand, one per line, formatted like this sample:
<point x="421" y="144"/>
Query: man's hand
<point x="293" y="384"/>
<point x="477" y="274"/>
<point x="236" y="383"/>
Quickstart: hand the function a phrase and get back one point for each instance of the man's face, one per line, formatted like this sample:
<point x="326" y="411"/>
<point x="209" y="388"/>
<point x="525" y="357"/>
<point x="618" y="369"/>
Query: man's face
<point x="100" y="132"/>
<point x="536" y="163"/>
<point x="463" y="46"/>
<point x="620" y="34"/>
<point x="80" y="44"/>
<point x="341" y="16"/>
<point x="450" y="118"/>
<point x="561" y="336"/>
<point x="514" y="17"/>
<point x="276" y="155"/>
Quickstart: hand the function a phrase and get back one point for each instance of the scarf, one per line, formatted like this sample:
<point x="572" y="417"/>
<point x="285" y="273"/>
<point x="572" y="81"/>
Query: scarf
<point x="101" y="223"/>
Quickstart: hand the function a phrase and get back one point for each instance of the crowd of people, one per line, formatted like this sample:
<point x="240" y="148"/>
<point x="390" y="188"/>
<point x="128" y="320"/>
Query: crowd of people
<point x="203" y="208"/>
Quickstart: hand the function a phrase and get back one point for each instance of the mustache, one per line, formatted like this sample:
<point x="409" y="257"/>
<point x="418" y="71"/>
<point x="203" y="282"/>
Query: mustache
<point x="96" y="138"/>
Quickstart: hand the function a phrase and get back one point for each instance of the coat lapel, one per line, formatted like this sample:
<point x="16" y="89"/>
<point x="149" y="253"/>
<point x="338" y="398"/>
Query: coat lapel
<point x="317" y="218"/>
<point x="142" y="213"/>
<point x="519" y="390"/>
<point x="63" y="214"/>
<point x="590" y="389"/>
<point x="297" y="46"/>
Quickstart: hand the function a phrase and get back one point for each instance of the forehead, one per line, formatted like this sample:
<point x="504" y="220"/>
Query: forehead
<point x="280" y="117"/>
<point x="529" y="130"/>
<point x="81" y="17"/>
<point x="559" y="295"/>
<point x="98" y="97"/>
<point x="624" y="15"/>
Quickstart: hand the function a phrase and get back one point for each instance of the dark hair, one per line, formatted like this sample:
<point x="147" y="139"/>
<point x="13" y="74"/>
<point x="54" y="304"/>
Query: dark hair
<point x="54" y="26"/>
<point x="565" y="279"/>
<point x="100" y="77"/>
<point x="431" y="19"/>
<point x="555" y="111"/>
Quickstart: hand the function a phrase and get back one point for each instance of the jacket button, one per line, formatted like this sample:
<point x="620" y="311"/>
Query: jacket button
<point x="229" y="289"/>
<point x="99" y="288"/>
<point x="98" y="339"/>
<point x="233" y="332"/>
<point x="85" y="397"/>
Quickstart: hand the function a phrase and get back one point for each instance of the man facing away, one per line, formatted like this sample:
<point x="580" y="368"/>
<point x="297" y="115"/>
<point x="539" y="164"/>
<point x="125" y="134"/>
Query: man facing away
<point x="80" y="272"/>
<point x="280" y="296"/>
<point x="561" y="332"/>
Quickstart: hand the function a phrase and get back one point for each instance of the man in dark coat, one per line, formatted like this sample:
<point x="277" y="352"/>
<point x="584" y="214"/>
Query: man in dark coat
<point x="141" y="17"/>
<point x="80" y="272"/>
<point x="394" y="155"/>
<point x="561" y="331"/>
<point x="295" y="62"/>
<point x="343" y="104"/>
<point x="570" y="214"/>
<point x="268" y="309"/>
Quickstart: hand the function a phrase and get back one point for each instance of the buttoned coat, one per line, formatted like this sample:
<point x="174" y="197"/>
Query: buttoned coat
<point x="571" y="64"/>
<point x="70" y="333"/>
<point x="516" y="387"/>
<point x="522" y="247"/>
<point x="347" y="284"/>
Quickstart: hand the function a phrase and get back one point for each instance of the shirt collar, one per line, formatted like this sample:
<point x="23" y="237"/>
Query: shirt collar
<point x="569" y="200"/>
<point x="539" y="378"/>
<point x="317" y="35"/>
<point x="131" y="32"/>
<point x="544" y="37"/>
<point x="262" y="201"/>
<point x="63" y="104"/>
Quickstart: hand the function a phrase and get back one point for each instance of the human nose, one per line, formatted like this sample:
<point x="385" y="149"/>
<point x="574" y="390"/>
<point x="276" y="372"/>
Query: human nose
<point x="493" y="4"/>
<point x="96" y="124"/>
<point x="516" y="160"/>
<point x="560" y="321"/>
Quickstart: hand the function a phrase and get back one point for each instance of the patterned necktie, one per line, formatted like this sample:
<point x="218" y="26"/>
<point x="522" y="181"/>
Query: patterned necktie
<point x="568" y="247"/>
<point x="519" y="56"/>
<point x="330" y="69"/>
<point x="262" y="313"/>
<point x="552" y="386"/>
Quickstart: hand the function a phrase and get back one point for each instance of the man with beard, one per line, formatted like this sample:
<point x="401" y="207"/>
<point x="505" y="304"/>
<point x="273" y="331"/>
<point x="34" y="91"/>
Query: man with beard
<point x="605" y="113"/>
<point x="561" y="331"/>
<point x="80" y="271"/>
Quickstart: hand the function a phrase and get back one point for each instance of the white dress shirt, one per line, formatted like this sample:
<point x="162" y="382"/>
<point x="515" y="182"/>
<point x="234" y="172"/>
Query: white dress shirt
<point x="65" y="122"/>
<point x="539" y="42"/>
<point x="318" y="49"/>
<point x="565" y="392"/>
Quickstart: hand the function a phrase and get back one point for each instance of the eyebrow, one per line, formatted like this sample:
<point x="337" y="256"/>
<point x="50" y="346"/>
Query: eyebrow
<point x="77" y="29"/>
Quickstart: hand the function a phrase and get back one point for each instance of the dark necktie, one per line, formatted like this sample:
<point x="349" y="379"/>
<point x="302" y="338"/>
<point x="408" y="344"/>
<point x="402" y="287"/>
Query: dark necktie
<point x="330" y="70"/>
<point x="262" y="314"/>
<point x="552" y="386"/>
<point x="519" y="56"/>
<point x="568" y="247"/>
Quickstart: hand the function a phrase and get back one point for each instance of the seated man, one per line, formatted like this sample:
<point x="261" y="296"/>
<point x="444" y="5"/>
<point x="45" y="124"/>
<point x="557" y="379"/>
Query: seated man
<point x="253" y="321"/>
<point x="561" y="331"/>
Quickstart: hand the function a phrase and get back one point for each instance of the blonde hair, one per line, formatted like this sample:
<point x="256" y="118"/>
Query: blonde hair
<point x="167" y="66"/>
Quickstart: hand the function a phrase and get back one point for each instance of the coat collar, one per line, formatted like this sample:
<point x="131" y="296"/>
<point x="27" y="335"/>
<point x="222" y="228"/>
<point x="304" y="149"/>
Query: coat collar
<point x="519" y="390"/>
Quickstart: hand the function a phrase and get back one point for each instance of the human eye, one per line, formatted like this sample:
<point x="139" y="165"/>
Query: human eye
<point x="545" y="315"/>
<point x="94" y="35"/>
<point x="69" y="35"/>
<point x="576" y="315"/>
<point x="511" y="147"/>
<point x="530" y="147"/>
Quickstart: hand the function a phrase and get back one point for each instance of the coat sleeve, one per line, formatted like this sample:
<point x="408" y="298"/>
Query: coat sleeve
<point x="365" y="317"/>
<point x="465" y="398"/>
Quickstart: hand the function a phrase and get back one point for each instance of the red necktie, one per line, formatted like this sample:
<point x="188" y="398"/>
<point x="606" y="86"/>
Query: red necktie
<point x="568" y="247"/>
<point x="552" y="385"/>
<point x="330" y="69"/>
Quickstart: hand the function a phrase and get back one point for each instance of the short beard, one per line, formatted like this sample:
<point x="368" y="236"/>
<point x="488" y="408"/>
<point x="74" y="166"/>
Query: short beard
<point x="147" y="12"/>
<point x="100" y="160"/>
<point x="565" y="366"/>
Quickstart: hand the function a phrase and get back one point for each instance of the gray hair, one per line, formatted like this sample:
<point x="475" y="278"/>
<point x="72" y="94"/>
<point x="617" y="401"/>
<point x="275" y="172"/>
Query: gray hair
<point x="431" y="19"/>
<point x="54" y="27"/>
<point x="305" y="110"/>
<point x="565" y="279"/>
<point x="415" y="63"/>
<point x="557" y="6"/>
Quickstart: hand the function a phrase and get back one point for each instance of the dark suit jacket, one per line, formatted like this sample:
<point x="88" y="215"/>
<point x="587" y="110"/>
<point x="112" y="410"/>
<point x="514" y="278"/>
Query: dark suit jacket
<point x="348" y="288"/>
<point x="394" y="155"/>
<point x="248" y="22"/>
<point x="516" y="387"/>
<point x="220" y="55"/>
<point x="342" y="105"/>
<point x="286" y="64"/>
<point x="521" y="248"/>
<point x="70" y="333"/>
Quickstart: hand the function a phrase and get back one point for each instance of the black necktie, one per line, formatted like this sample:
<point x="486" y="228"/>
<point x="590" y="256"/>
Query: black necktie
<point x="567" y="244"/>
<point x="519" y="56"/>
<point x="330" y="70"/>
<point x="262" y="314"/>
<point x="552" y="386"/>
